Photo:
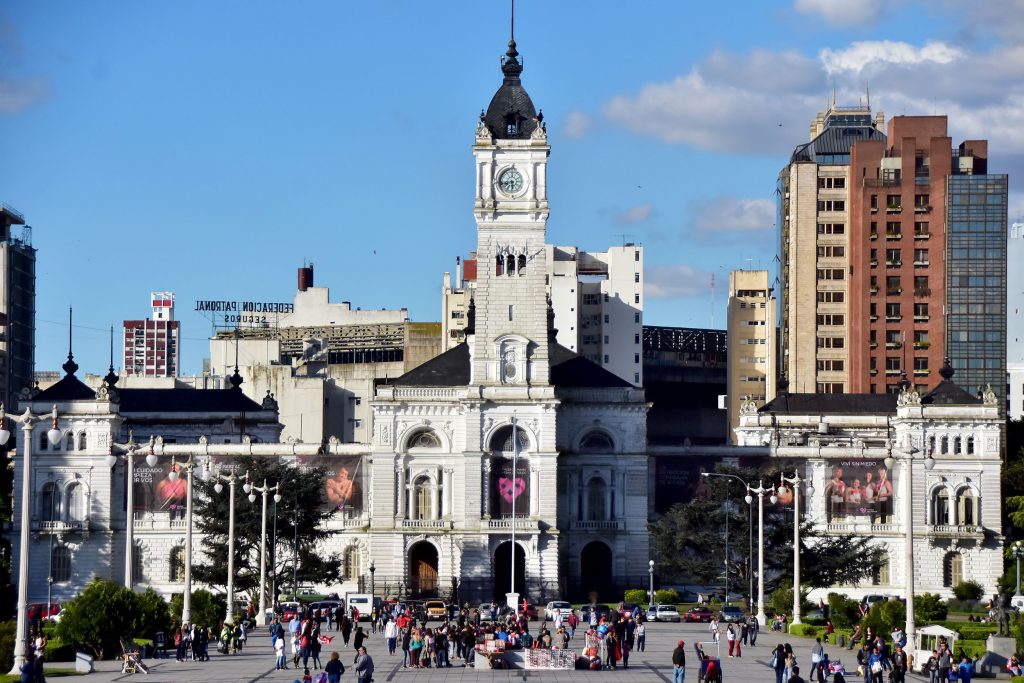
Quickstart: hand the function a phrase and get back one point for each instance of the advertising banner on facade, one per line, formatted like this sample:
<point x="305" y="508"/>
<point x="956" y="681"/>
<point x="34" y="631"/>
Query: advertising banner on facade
<point x="153" y="490"/>
<point x="509" y="492"/>
<point x="859" y="488"/>
<point x="680" y="480"/>
<point x="343" y="489"/>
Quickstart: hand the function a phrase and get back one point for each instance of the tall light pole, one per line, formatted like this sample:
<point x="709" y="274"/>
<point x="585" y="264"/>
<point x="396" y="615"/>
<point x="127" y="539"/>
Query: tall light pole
<point x="760" y="491"/>
<point x="795" y="482"/>
<point x="189" y="467"/>
<point x="1018" y="552"/>
<point x="512" y="598"/>
<point x="650" y="571"/>
<point x="273" y="556"/>
<point x="54" y="435"/>
<point x="908" y="515"/>
<point x="129" y="526"/>
<point x="231" y="479"/>
<point x="373" y="587"/>
<point x="251" y="489"/>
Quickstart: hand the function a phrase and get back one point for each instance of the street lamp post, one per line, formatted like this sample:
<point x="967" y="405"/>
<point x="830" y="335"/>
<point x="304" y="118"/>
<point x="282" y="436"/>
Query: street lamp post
<point x="373" y="591"/>
<point x="795" y="482"/>
<point x="54" y="435"/>
<point x="186" y="597"/>
<point x="908" y="514"/>
<point x="231" y="479"/>
<point x="273" y="557"/>
<point x="650" y="571"/>
<point x="1018" y="552"/>
<point x="129" y="525"/>
<point x="251" y="489"/>
<point x="760" y="491"/>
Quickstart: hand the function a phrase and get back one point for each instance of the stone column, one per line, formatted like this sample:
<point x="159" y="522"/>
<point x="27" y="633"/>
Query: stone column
<point x="435" y="495"/>
<point x="534" y="486"/>
<point x="400" y="490"/>
<point x="485" y="489"/>
<point x="446" y="492"/>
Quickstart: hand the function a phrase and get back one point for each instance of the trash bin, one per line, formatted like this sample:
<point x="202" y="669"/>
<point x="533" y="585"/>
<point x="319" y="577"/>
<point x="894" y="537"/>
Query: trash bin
<point x="841" y="640"/>
<point x="83" y="663"/>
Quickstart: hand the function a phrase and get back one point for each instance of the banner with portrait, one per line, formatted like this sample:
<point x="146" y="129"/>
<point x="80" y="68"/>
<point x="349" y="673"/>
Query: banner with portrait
<point x="510" y="492"/>
<point x="680" y="479"/>
<point x="859" y="488"/>
<point x="154" y="490"/>
<point x="343" y="488"/>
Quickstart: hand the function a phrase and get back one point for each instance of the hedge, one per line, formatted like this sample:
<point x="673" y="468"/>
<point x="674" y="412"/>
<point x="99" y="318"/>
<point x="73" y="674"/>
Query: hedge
<point x="972" y="648"/>
<point x="806" y="630"/>
<point x="970" y="630"/>
<point x="637" y="595"/>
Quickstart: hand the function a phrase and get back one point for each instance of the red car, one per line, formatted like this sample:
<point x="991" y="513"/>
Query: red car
<point x="697" y="614"/>
<point x="38" y="610"/>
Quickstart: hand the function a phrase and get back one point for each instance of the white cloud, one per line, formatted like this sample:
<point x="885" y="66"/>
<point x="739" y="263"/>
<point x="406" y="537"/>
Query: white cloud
<point x="674" y="282"/>
<point x="19" y="93"/>
<point x="842" y="12"/>
<point x="636" y="214"/>
<point x="871" y="55"/>
<point x="577" y="124"/>
<point x="730" y="214"/>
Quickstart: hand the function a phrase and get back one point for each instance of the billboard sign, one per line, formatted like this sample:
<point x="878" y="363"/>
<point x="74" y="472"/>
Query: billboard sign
<point x="859" y="488"/>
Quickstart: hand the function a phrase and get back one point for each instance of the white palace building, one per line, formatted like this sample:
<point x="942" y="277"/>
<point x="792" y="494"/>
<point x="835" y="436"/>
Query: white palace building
<point x="431" y="498"/>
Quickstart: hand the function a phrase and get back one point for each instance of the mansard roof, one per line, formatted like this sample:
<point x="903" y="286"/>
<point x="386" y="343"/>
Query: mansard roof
<point x="68" y="388"/>
<point x="831" y="404"/>
<point x="568" y="369"/>
<point x="186" y="400"/>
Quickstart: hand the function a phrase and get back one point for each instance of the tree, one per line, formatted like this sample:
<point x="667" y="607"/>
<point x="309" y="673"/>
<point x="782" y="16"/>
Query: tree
<point x="303" y="504"/>
<point x="100" y="616"/>
<point x="154" y="615"/>
<point x="207" y="609"/>
<point x="968" y="590"/>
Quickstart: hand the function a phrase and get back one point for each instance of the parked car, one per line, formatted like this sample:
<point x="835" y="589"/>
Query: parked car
<point x="731" y="614"/>
<point x="435" y="609"/>
<point x="602" y="611"/>
<point x="38" y="611"/>
<point x="628" y="607"/>
<point x="289" y="610"/>
<point x="697" y="614"/>
<point x="652" y="613"/>
<point x="556" y="606"/>
<point x="319" y="608"/>
<point x="873" y="599"/>
<point x="667" y="613"/>
<point x="489" y="611"/>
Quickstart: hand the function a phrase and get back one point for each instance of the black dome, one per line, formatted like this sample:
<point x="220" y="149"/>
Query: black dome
<point x="511" y="114"/>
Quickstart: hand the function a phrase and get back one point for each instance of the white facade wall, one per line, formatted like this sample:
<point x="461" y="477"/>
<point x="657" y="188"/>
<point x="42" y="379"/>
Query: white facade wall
<point x="1015" y="396"/>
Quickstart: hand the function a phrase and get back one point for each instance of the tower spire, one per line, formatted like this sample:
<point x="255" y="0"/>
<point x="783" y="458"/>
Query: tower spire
<point x="512" y="32"/>
<point x="111" y="377"/>
<point x="70" y="366"/>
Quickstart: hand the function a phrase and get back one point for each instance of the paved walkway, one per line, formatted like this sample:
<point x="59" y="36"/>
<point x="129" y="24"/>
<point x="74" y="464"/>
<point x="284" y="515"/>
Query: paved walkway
<point x="654" y="665"/>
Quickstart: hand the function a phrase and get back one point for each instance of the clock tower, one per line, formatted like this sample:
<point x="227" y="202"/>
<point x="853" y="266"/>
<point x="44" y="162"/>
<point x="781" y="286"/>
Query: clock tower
<point x="510" y="343"/>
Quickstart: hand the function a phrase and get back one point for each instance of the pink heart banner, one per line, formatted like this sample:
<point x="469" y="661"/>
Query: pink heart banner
<point x="511" y="489"/>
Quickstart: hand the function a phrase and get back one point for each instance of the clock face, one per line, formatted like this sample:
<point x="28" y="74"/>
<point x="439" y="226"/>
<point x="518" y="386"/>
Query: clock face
<point x="510" y="181"/>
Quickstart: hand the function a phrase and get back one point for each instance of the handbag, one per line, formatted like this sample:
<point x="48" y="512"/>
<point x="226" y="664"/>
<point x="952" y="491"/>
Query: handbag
<point x="775" y="660"/>
<point x="876" y="668"/>
<point x="815" y="658"/>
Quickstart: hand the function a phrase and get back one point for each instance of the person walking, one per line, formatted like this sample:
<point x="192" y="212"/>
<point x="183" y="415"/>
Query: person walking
<point x="753" y="627"/>
<point x="364" y="666"/>
<point x="406" y="645"/>
<point x="945" y="662"/>
<point x="279" y="654"/>
<point x="795" y="676"/>
<point x="391" y="635"/>
<point x="713" y="629"/>
<point x="334" y="669"/>
<point x="778" y="662"/>
<point x="730" y="637"/>
<point x="641" y="636"/>
<point x="877" y="665"/>
<point x="900" y="665"/>
<point x="679" y="662"/>
<point x="966" y="669"/>
<point x="817" y="657"/>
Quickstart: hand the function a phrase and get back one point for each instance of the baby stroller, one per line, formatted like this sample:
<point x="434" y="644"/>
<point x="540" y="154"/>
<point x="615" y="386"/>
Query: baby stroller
<point x="837" y="671"/>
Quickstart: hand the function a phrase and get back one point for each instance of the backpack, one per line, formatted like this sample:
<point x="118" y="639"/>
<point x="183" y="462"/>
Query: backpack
<point x="304" y="641"/>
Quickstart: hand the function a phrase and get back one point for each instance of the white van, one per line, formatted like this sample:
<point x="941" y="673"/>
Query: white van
<point x="360" y="601"/>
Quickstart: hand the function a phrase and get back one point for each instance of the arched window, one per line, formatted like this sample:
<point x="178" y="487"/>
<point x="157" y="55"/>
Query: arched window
<point x="597" y="509"/>
<point x="940" y="506"/>
<point x="138" y="564"/>
<point x="76" y="506"/>
<point x="50" y="503"/>
<point x="499" y="264"/>
<point x="510" y="265"/>
<point x="953" y="570"/>
<point x="424" y="439"/>
<point x="970" y="445"/>
<point x="60" y="563"/>
<point x="881" y="575"/>
<point x="944" y="445"/>
<point x="967" y="507"/>
<point x="69" y="442"/>
<point x="931" y="444"/>
<point x="502" y="443"/>
<point x="81" y="441"/>
<point x="423" y="498"/>
<point x="350" y="564"/>
<point x="597" y="442"/>
<point x="177" y="564"/>
<point x="521" y="265"/>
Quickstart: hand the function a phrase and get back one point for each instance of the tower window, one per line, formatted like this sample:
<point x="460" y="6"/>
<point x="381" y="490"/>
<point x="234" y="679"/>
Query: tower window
<point x="511" y="312"/>
<point x="521" y="259"/>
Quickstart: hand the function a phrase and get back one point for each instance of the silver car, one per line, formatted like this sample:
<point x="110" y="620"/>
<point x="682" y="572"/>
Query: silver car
<point x="667" y="613"/>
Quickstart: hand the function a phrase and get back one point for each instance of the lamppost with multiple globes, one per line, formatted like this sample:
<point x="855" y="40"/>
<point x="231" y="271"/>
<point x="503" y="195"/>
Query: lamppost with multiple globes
<point x="795" y="482"/>
<point x="54" y="436"/>
<point x="908" y="515"/>
<point x="252" y="489"/>
<point x="186" y="597"/>
<point x="130" y="449"/>
<point x="650" y="572"/>
<point x="231" y="480"/>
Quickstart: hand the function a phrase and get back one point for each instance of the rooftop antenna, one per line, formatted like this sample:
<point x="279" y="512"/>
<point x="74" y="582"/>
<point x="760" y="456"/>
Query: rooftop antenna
<point x="512" y="27"/>
<point x="867" y="90"/>
<point x="70" y="365"/>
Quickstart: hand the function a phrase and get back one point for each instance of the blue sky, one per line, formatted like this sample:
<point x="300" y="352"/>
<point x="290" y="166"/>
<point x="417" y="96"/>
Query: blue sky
<point x="210" y="148"/>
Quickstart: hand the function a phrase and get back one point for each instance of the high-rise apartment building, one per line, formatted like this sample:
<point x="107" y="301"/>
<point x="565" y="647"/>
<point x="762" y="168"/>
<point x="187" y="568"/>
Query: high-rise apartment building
<point x="17" y="306"/>
<point x="751" y="342"/>
<point x="908" y="261"/>
<point x="152" y="346"/>
<point x="597" y="299"/>
<point x="815" y="250"/>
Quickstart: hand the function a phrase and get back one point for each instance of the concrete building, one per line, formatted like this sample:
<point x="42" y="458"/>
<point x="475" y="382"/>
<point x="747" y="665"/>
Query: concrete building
<point x="597" y="298"/>
<point x="841" y="443"/>
<point x="322" y="360"/>
<point x="1015" y="324"/>
<point x="1015" y="390"/>
<point x="815" y="242"/>
<point x="152" y="346"/>
<point x="17" y="305"/>
<point x="752" y="343"/>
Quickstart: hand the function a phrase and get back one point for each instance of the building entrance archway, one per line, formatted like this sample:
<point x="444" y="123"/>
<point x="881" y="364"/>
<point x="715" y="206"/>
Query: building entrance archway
<point x="596" y="570"/>
<point x="503" y="571"/>
<point x="423" y="570"/>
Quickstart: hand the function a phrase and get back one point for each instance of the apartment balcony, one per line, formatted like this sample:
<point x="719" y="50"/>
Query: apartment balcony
<point x="893" y="208"/>
<point x="922" y="291"/>
<point x="894" y="345"/>
<point x="599" y="525"/>
<point x="922" y="208"/>
<point x="893" y="235"/>
<point x="873" y="235"/>
<point x="873" y="289"/>
<point x="920" y="318"/>
<point x="874" y="371"/>
<point x="864" y="527"/>
<point x="922" y="235"/>
<point x="893" y="264"/>
<point x="873" y="345"/>
<point x="889" y="372"/>
<point x="921" y="264"/>
<point x="873" y="318"/>
<point x="60" y="526"/>
<point x="920" y="373"/>
<point x="971" y="531"/>
<point x="921" y="344"/>
<point x="505" y="524"/>
<point x="893" y="318"/>
<point x="161" y="521"/>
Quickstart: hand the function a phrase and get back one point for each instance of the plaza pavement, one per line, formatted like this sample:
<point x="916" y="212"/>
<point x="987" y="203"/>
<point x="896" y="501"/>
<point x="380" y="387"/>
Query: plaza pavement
<point x="256" y="663"/>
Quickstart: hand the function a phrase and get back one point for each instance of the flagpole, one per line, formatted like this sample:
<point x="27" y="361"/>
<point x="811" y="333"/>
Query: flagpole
<point x="513" y="598"/>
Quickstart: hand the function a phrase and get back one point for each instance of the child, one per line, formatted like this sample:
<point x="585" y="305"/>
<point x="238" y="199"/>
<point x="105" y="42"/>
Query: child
<point x="279" y="651"/>
<point x="306" y="678"/>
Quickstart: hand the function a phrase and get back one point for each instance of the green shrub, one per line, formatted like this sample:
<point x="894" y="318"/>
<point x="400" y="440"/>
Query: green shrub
<point x="781" y="601"/>
<point x="968" y="590"/>
<point x="884" y="616"/>
<point x="99" y="617"/>
<point x="1017" y="679"/>
<point x="970" y="630"/>
<point x="207" y="609"/>
<point x="929" y="607"/>
<point x="154" y="614"/>
<point x="805" y="630"/>
<point x="666" y="596"/>
<point x="843" y="611"/>
<point x="7" y="631"/>
<point x="637" y="595"/>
